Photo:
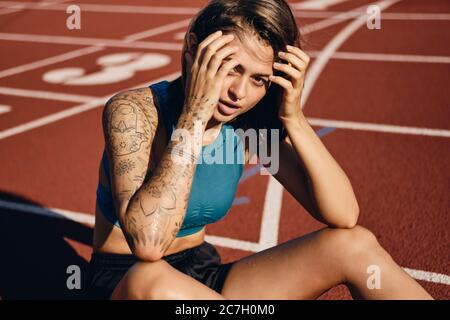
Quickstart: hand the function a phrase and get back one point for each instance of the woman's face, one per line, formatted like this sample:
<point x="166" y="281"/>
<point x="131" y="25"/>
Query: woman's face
<point x="248" y="82"/>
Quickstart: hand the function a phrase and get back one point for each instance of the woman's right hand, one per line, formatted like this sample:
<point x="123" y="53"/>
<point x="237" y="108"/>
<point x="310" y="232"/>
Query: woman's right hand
<point x="205" y="79"/>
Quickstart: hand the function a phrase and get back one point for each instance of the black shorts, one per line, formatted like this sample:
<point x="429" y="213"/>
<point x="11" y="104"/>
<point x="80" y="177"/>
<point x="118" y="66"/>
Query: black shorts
<point x="202" y="263"/>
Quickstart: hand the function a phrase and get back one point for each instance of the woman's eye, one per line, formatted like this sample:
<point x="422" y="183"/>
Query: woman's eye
<point x="260" y="82"/>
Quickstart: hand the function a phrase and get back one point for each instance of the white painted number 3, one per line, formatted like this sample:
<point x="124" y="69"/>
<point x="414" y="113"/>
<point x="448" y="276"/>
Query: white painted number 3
<point x="115" y="67"/>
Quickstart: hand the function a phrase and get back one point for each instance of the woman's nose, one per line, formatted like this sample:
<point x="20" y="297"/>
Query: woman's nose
<point x="237" y="90"/>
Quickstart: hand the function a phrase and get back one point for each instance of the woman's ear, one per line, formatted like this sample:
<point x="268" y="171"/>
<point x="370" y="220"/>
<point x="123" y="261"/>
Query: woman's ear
<point x="191" y="43"/>
<point x="189" y="56"/>
<point x="190" y="49"/>
<point x="189" y="59"/>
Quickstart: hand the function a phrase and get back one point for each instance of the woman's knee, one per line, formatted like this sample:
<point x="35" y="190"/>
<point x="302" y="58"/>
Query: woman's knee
<point x="361" y="237"/>
<point x="144" y="282"/>
<point x="354" y="241"/>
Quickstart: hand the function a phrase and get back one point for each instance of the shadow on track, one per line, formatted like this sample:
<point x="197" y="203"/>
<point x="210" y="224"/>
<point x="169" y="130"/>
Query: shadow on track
<point x="34" y="253"/>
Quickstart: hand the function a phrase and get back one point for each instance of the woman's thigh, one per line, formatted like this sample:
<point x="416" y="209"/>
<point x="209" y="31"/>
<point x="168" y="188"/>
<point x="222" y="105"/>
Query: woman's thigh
<point x="302" y="268"/>
<point x="160" y="281"/>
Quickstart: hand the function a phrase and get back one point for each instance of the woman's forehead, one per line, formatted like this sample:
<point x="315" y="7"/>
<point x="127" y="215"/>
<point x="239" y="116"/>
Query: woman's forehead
<point x="255" y="54"/>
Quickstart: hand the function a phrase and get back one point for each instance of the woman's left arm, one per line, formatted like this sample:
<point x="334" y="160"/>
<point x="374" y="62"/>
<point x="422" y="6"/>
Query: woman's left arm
<point x="333" y="194"/>
<point x="332" y="191"/>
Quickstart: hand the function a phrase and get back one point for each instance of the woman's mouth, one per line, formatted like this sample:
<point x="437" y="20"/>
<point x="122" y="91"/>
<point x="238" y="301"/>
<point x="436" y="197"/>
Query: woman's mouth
<point x="227" y="109"/>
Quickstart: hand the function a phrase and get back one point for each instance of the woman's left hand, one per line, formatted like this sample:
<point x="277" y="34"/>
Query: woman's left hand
<point x="295" y="69"/>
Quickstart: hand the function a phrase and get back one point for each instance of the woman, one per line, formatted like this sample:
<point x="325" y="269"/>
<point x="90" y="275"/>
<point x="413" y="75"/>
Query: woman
<point x="155" y="198"/>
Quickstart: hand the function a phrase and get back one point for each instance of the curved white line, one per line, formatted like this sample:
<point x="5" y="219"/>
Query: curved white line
<point x="319" y="64"/>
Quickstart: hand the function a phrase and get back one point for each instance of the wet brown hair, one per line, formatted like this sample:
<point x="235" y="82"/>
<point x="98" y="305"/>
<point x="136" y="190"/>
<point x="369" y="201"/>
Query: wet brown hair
<point x="272" y="22"/>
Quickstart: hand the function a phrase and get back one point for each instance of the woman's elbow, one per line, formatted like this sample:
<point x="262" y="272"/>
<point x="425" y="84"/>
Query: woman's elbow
<point x="346" y="219"/>
<point x="350" y="220"/>
<point x="146" y="253"/>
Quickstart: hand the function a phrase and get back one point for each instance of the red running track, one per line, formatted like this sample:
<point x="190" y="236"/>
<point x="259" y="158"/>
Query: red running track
<point x="376" y="93"/>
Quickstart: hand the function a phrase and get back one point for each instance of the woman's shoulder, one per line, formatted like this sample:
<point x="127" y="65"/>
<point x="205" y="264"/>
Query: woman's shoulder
<point x="142" y="97"/>
<point x="132" y="114"/>
<point x="140" y="101"/>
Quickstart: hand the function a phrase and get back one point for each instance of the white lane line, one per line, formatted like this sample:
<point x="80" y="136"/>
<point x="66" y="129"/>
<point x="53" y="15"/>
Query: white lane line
<point x="21" y="6"/>
<point x="46" y="95"/>
<point x="158" y="30"/>
<point x="315" y="4"/>
<point x="12" y="9"/>
<point x="85" y="51"/>
<point x="172" y="46"/>
<point x="233" y="243"/>
<point x="309" y="28"/>
<point x="177" y="47"/>
<point x="110" y="8"/>
<point x="4" y="108"/>
<point x="68" y="112"/>
<point x="428" y="276"/>
<point x="385" y="16"/>
<point x="387" y="57"/>
<point x="89" y="219"/>
<point x="359" y="12"/>
<point x="339" y="16"/>
<point x="415" y="16"/>
<point x="84" y="41"/>
<point x="49" y="119"/>
<point x="325" y="55"/>
<point x="194" y="10"/>
<point x="379" y="127"/>
<point x="322" y="24"/>
<point x="49" y="61"/>
<point x="271" y="214"/>
<point x="352" y="125"/>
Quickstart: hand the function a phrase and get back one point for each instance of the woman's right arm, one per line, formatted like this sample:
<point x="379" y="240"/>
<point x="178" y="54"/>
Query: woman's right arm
<point x="151" y="211"/>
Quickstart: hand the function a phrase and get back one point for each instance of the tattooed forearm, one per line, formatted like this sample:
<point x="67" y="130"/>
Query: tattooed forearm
<point x="160" y="205"/>
<point x="125" y="166"/>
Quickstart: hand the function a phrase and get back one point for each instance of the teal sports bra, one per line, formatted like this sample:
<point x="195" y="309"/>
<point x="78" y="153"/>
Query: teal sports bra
<point x="216" y="176"/>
